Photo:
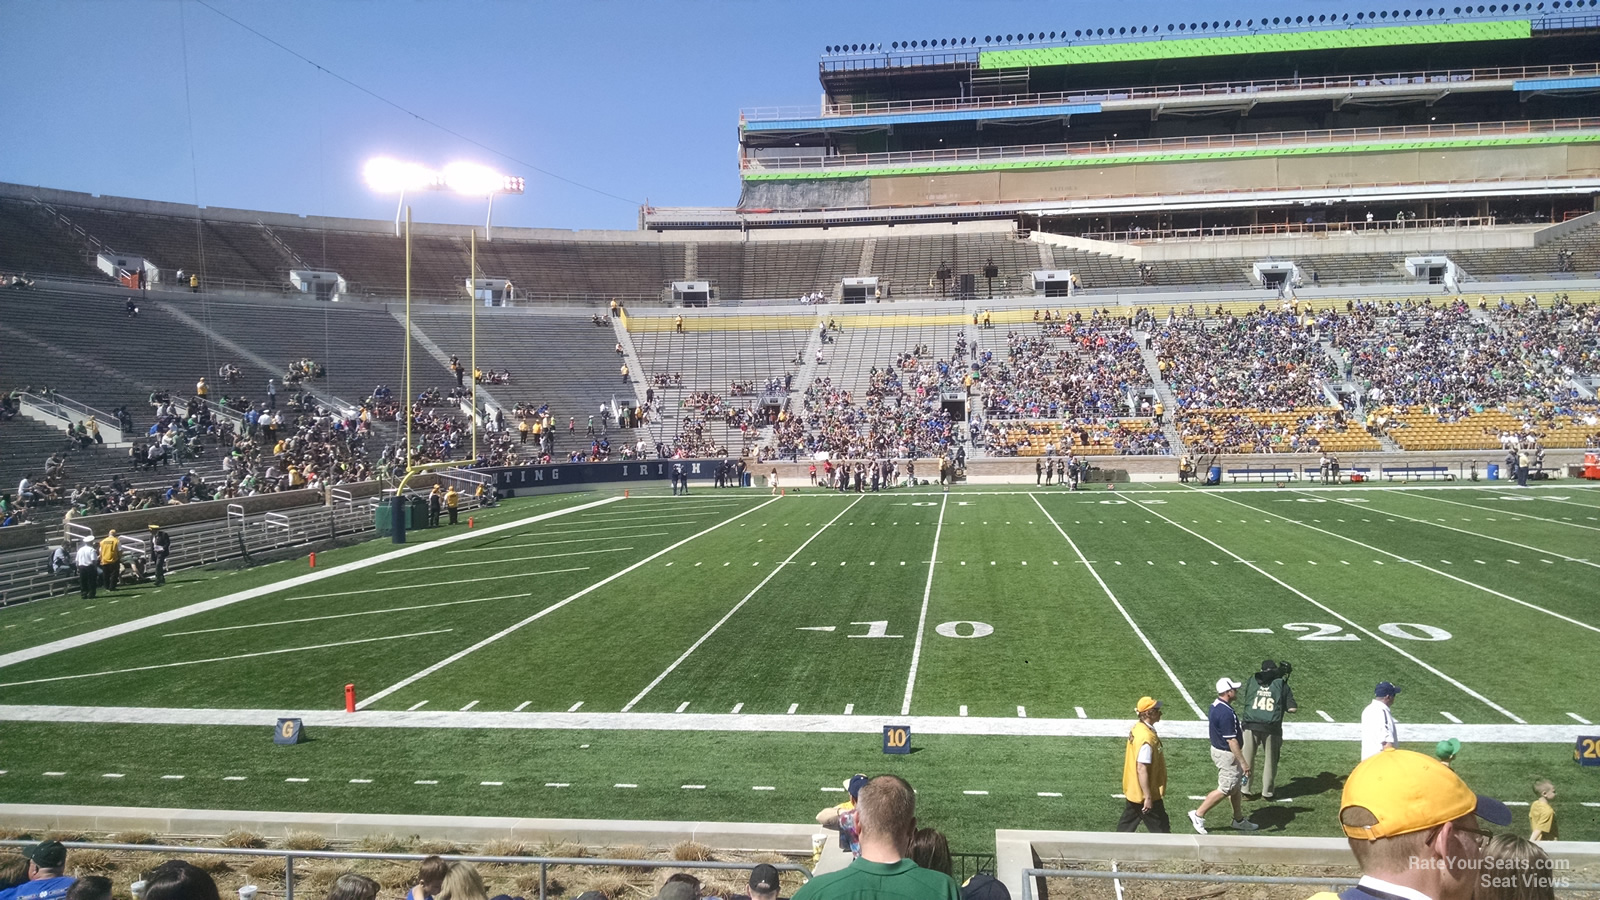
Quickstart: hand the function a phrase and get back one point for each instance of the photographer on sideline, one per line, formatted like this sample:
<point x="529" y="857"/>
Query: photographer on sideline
<point x="1265" y="698"/>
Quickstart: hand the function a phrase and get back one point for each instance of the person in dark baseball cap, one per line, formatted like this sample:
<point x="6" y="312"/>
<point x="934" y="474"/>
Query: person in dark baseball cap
<point x="763" y="883"/>
<point x="984" y="887"/>
<point x="47" y="860"/>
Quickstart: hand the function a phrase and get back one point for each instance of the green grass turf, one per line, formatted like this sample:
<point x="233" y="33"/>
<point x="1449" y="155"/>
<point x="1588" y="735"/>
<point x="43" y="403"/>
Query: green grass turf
<point x="1050" y="578"/>
<point x="35" y="623"/>
<point x="1086" y="772"/>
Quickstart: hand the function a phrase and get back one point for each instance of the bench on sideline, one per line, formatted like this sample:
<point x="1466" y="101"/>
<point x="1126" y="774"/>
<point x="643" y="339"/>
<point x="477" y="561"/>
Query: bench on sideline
<point x="1418" y="473"/>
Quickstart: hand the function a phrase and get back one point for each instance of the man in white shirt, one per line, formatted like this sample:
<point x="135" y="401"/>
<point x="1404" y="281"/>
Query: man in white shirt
<point x="88" y="569"/>
<point x="1377" y="722"/>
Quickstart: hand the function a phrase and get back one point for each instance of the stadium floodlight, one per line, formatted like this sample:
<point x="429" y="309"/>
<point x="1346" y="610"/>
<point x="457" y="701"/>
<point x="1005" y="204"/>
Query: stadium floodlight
<point x="390" y="176"/>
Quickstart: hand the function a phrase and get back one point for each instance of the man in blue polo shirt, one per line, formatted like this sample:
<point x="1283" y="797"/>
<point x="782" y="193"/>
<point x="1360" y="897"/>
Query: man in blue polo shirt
<point x="46" y="861"/>
<point x="1232" y="770"/>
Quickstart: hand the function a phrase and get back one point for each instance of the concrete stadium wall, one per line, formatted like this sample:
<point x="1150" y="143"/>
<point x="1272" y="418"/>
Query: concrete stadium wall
<point x="1309" y="170"/>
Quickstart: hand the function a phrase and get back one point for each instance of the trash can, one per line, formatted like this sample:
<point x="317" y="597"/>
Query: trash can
<point x="383" y="519"/>
<point x="1494" y="471"/>
<point x="419" y="513"/>
<point x="1214" y="475"/>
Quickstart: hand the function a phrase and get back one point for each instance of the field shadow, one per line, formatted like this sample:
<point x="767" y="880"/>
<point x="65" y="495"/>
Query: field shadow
<point x="1276" y="817"/>
<point x="1304" y="786"/>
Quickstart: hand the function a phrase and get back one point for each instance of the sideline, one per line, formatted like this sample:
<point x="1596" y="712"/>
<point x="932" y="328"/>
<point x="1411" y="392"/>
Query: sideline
<point x="111" y="631"/>
<point x="1419" y="732"/>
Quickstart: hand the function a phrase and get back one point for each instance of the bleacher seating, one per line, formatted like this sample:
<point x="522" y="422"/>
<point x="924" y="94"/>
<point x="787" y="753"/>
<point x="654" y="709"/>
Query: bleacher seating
<point x="1414" y="428"/>
<point x="1108" y="437"/>
<point x="563" y="360"/>
<point x="909" y="264"/>
<point x="1249" y="430"/>
<point x="32" y="241"/>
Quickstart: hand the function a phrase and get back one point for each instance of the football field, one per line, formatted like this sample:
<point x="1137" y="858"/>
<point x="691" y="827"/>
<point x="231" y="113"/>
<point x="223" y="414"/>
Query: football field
<point x="739" y="635"/>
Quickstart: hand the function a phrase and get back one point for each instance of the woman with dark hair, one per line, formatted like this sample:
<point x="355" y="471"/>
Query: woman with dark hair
<point x="90" y="887"/>
<point x="178" y="880"/>
<point x="931" y="850"/>
<point x="351" y="886"/>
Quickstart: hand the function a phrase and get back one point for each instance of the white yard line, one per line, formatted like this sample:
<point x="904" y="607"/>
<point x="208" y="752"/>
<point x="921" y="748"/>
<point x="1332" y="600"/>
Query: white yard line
<point x="196" y="662"/>
<point x="922" y="617"/>
<point x="1423" y="566"/>
<point x="412" y="679"/>
<point x="370" y="612"/>
<point x="429" y="584"/>
<point x="501" y="548"/>
<point x="485" y="563"/>
<point x="1176" y="729"/>
<point x="736" y="607"/>
<point x="80" y="640"/>
<point x="1490" y="537"/>
<point x="1198" y="712"/>
<point x="1341" y="617"/>
<point x="608" y="528"/>
<point x="1514" y="511"/>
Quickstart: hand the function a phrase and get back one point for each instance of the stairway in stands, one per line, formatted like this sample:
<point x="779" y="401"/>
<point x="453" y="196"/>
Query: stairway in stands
<point x="1169" y="400"/>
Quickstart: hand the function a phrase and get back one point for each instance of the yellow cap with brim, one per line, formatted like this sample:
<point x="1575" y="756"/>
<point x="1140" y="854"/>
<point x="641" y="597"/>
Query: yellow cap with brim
<point x="1409" y="792"/>
<point x="1146" y="704"/>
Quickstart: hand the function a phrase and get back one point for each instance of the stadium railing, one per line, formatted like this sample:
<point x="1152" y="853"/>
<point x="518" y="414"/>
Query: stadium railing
<point x="1194" y="143"/>
<point x="1275" y="230"/>
<point x="68" y="411"/>
<point x="1196" y="89"/>
<point x="543" y="862"/>
<point x="24" y="575"/>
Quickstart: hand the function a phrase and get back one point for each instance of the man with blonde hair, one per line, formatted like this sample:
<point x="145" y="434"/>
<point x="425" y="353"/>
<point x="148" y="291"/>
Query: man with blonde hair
<point x="1412" y="825"/>
<point x="886" y="816"/>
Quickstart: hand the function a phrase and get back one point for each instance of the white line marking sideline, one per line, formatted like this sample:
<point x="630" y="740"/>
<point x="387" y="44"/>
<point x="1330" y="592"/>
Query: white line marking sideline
<point x="461" y="654"/>
<point x="336" y="717"/>
<point x="736" y="607"/>
<point x="407" y="587"/>
<point x="1199" y="713"/>
<point x="172" y="615"/>
<point x="1490" y="537"/>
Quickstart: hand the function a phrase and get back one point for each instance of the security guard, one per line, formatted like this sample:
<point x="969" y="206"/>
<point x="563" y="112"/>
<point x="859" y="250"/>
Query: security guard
<point x="110" y="559"/>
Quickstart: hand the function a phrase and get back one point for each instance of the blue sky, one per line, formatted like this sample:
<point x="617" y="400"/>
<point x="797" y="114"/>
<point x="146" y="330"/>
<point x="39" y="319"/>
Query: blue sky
<point x="168" y="100"/>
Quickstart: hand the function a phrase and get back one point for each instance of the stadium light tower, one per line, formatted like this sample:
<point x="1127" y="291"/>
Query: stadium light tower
<point x="386" y="175"/>
<point x="391" y="176"/>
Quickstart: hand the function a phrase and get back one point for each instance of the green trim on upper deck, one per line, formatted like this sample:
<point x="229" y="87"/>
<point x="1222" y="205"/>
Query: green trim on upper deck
<point x="1184" y="156"/>
<point x="1184" y="48"/>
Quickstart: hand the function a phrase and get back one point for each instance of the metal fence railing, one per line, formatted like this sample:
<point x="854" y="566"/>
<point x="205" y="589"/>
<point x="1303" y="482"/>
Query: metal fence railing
<point x="1193" y="143"/>
<point x="1028" y="875"/>
<point x="543" y="862"/>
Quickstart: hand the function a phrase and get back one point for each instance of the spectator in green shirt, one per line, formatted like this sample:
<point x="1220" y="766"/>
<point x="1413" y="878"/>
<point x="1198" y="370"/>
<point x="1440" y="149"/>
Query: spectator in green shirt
<point x="886" y="817"/>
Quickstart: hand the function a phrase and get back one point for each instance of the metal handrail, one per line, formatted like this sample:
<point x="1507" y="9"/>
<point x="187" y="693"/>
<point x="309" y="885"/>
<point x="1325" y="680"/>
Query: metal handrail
<point x="83" y="409"/>
<point x="1192" y="142"/>
<point x="543" y="862"/>
<point x="1029" y="874"/>
<point x="1165" y="91"/>
<point x="1145" y="235"/>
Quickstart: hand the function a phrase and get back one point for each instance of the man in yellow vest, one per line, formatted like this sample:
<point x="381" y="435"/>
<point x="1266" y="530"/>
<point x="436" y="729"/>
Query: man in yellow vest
<point x="110" y="559"/>
<point x="452" y="498"/>
<point x="1144" y="773"/>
